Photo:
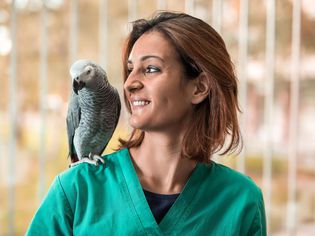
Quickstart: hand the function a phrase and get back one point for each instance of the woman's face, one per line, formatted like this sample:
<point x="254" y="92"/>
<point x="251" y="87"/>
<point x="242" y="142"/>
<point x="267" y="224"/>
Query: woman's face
<point x="156" y="88"/>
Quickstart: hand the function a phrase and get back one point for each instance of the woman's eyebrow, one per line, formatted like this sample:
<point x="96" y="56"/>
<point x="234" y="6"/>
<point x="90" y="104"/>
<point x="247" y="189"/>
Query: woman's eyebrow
<point x="147" y="57"/>
<point x="151" y="56"/>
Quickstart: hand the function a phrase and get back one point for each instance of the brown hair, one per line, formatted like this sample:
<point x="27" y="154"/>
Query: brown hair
<point x="201" y="49"/>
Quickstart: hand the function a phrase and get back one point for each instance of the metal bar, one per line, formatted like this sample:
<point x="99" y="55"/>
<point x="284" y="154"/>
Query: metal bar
<point x="294" y="112"/>
<point x="103" y="33"/>
<point x="13" y="124"/>
<point x="216" y="24"/>
<point x="190" y="7"/>
<point x="269" y="101"/>
<point x="132" y="10"/>
<point x="42" y="100"/>
<point x="74" y="30"/>
<point x="161" y="5"/>
<point x="242" y="75"/>
<point x="217" y="15"/>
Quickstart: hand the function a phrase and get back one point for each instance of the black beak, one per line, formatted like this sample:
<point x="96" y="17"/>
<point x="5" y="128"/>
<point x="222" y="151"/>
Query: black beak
<point x="77" y="85"/>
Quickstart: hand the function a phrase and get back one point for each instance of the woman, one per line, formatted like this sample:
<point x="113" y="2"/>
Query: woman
<point x="181" y="92"/>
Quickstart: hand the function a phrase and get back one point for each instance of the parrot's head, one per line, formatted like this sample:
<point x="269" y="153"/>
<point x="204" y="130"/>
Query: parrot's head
<point x="84" y="73"/>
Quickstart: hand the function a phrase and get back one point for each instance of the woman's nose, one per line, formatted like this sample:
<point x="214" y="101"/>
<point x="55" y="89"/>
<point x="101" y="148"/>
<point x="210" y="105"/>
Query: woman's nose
<point x="132" y="84"/>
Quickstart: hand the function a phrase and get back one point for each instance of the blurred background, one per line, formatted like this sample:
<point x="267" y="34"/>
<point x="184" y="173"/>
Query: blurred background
<point x="272" y="44"/>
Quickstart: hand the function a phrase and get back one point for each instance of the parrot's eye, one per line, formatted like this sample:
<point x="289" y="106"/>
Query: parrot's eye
<point x="88" y="70"/>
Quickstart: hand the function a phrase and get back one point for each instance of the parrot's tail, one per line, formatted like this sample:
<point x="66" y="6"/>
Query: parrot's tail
<point x="73" y="157"/>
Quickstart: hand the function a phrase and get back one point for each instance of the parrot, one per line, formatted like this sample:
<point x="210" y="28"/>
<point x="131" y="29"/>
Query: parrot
<point x="93" y="112"/>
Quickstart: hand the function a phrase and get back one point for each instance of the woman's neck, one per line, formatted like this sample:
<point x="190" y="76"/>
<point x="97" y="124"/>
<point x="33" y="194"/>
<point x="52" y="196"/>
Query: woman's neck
<point x="159" y="164"/>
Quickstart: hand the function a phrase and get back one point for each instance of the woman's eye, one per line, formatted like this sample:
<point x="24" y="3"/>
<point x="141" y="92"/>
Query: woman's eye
<point x="152" y="69"/>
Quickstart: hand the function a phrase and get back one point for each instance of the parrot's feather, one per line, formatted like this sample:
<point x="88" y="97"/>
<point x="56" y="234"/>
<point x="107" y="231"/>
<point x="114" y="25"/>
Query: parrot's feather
<point x="116" y="114"/>
<point x="73" y="120"/>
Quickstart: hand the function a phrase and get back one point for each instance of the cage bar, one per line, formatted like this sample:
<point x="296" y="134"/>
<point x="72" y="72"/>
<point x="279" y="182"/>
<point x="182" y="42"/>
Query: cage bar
<point x="217" y="15"/>
<point x="242" y="76"/>
<point x="294" y="113"/>
<point x="42" y="99"/>
<point x="13" y="124"/>
<point x="103" y="33"/>
<point x="74" y="30"/>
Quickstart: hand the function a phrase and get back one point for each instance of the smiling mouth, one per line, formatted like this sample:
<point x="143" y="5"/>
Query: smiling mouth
<point x="139" y="103"/>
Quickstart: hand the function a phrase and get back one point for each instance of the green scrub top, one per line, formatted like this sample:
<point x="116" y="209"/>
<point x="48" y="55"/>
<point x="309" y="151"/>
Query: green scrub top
<point x="109" y="200"/>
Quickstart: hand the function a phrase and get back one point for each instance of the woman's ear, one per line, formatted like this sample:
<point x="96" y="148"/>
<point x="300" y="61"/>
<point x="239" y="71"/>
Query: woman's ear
<point x="201" y="88"/>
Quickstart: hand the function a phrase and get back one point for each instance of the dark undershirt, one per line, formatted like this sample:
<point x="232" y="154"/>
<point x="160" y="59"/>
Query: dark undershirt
<point x="160" y="203"/>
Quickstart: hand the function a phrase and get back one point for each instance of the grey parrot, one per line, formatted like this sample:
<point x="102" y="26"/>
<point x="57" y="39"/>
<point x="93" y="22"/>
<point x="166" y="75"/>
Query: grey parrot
<point x="93" y="112"/>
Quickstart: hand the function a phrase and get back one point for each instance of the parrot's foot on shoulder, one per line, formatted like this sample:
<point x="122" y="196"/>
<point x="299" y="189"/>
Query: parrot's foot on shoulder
<point x="96" y="158"/>
<point x="92" y="159"/>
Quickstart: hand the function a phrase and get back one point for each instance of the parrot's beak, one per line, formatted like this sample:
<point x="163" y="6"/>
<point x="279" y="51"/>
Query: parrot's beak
<point x="77" y="85"/>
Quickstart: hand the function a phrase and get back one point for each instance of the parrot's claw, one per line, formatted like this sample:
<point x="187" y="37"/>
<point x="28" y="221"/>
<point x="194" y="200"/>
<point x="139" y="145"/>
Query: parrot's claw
<point x="96" y="158"/>
<point x="92" y="159"/>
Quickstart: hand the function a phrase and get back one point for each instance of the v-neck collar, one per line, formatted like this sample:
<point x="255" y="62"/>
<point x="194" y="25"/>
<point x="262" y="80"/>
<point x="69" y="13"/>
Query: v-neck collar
<point x="178" y="211"/>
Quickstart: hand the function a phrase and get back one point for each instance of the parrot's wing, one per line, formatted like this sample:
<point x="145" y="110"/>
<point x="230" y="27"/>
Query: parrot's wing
<point x="73" y="120"/>
<point x="118" y="109"/>
<point x="115" y="115"/>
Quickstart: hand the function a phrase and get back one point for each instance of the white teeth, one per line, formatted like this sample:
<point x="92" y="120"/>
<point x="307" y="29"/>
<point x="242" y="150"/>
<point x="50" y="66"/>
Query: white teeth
<point x="140" y="103"/>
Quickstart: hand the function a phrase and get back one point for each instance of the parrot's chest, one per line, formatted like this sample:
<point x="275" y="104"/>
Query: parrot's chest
<point x="93" y="122"/>
<point x="93" y="110"/>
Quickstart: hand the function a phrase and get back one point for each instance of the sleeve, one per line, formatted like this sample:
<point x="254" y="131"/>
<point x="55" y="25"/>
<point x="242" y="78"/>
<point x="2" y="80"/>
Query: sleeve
<point x="258" y="226"/>
<point x="54" y="216"/>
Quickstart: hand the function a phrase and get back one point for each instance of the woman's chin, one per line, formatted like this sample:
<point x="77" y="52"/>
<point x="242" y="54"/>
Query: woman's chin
<point x="135" y="123"/>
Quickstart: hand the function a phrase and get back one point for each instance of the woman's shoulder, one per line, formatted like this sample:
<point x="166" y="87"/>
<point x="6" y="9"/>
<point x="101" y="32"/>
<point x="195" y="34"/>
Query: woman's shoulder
<point x="237" y="196"/>
<point x="76" y="183"/>
<point x="227" y="177"/>
<point x="84" y="173"/>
